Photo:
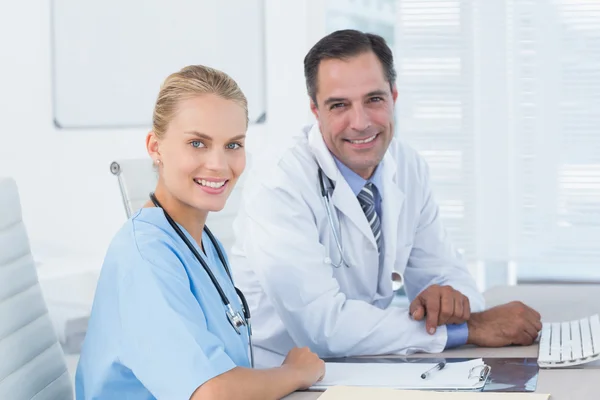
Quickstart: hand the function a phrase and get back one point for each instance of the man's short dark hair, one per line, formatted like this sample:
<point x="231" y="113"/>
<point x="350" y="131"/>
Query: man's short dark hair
<point x="342" y="45"/>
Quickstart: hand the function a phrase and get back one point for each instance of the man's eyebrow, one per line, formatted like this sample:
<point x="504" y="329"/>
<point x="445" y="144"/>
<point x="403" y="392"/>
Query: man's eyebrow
<point x="335" y="100"/>
<point x="377" y="93"/>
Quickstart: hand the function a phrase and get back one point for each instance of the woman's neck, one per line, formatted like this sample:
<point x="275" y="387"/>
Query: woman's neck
<point x="190" y="218"/>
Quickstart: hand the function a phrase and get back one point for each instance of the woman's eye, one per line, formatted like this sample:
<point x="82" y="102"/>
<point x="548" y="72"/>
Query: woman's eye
<point x="197" y="144"/>
<point x="233" y="146"/>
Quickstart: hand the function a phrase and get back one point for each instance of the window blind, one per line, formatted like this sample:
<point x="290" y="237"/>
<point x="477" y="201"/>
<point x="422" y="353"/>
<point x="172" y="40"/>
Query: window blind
<point x="434" y="57"/>
<point x="554" y="95"/>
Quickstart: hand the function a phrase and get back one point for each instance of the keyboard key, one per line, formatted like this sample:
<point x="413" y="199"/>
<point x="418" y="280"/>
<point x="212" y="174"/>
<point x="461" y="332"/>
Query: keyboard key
<point x="544" y="345"/>
<point x="555" y="345"/>
<point x="576" y="340"/>
<point x="586" y="338"/>
<point x="595" y="327"/>
<point x="565" y="341"/>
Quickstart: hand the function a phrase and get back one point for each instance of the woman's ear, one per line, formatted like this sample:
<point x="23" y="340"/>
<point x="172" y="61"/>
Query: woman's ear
<point x="152" y="145"/>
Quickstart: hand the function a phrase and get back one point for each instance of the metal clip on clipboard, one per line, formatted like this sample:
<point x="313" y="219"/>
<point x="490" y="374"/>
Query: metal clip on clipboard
<point x="484" y="372"/>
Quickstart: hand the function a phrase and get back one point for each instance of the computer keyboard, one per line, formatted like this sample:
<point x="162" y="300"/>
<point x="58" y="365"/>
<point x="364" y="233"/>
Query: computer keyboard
<point x="563" y="344"/>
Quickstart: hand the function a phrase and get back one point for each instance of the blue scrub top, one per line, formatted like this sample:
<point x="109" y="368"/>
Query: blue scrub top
<point x="158" y="327"/>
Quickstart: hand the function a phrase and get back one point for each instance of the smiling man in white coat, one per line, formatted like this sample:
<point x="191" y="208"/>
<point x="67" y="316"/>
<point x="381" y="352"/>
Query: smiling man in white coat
<point x="327" y="221"/>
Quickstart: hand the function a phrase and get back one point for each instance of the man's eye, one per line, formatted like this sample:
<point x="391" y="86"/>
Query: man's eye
<point x="337" y="105"/>
<point x="376" y="99"/>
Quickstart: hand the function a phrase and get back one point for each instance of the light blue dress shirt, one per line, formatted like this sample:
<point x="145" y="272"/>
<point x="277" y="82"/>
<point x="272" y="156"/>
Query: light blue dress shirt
<point x="457" y="334"/>
<point x="158" y="327"/>
<point x="356" y="183"/>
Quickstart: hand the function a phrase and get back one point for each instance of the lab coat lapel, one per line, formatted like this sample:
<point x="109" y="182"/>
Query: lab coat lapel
<point x="342" y="198"/>
<point x="391" y="206"/>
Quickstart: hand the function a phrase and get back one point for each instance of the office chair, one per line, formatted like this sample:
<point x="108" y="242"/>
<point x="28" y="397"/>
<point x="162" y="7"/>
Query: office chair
<point x="137" y="178"/>
<point x="32" y="363"/>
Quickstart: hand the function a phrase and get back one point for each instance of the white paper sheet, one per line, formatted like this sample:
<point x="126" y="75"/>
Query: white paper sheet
<point x="459" y="375"/>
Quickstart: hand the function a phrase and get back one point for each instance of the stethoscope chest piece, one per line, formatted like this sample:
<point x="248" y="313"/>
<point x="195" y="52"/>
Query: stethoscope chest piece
<point x="235" y="319"/>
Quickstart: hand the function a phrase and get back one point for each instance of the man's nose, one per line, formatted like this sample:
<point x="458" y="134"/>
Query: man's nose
<point x="360" y="120"/>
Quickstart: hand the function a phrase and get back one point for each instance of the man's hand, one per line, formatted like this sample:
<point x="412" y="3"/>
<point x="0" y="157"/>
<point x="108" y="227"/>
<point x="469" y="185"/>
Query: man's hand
<point x="441" y="305"/>
<point x="512" y="323"/>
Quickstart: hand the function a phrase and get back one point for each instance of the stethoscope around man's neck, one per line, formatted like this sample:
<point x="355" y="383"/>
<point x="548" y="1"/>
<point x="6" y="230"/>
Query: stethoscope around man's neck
<point x="235" y="317"/>
<point x="327" y="188"/>
<point x="326" y="192"/>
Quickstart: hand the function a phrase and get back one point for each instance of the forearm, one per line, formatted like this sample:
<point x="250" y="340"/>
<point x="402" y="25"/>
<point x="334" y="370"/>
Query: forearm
<point x="341" y="333"/>
<point x="246" y="383"/>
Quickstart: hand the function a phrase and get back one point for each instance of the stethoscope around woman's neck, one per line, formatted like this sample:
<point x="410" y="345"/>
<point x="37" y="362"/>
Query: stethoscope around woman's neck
<point x="235" y="317"/>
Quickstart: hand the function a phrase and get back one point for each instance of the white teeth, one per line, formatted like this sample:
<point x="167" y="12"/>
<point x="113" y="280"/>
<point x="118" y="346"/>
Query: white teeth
<point x="214" y="185"/>
<point x="367" y="140"/>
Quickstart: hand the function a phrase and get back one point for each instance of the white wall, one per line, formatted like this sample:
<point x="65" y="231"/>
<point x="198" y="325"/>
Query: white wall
<point x="71" y="202"/>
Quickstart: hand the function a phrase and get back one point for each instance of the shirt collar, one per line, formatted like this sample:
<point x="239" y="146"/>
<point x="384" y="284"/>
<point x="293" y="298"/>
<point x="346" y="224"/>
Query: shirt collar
<point x="355" y="181"/>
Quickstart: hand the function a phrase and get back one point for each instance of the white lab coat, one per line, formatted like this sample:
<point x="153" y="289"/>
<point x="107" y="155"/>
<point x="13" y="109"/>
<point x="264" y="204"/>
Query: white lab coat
<point x="284" y="245"/>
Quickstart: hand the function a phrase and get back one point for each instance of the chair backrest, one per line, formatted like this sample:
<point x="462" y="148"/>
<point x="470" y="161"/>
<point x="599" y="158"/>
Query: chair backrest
<point x="137" y="178"/>
<point x="32" y="363"/>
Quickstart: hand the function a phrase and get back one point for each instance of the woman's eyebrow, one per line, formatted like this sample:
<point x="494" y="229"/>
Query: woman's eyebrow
<point x="206" y="137"/>
<point x="198" y="134"/>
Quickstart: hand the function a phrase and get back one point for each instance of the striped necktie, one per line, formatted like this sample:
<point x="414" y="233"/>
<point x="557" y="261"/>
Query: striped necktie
<point x="366" y="199"/>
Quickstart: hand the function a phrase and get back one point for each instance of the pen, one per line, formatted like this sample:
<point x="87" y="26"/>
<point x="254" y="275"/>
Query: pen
<point x="437" y="367"/>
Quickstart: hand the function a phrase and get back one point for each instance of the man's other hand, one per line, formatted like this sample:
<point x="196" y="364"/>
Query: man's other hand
<point x="440" y="305"/>
<point x="505" y="325"/>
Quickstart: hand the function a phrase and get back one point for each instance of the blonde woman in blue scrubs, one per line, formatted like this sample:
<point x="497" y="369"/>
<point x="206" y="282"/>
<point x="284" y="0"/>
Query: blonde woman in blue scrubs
<point x="159" y="326"/>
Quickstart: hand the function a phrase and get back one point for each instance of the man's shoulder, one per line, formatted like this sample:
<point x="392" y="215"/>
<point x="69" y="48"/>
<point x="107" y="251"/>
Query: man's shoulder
<point x="284" y="163"/>
<point x="407" y="159"/>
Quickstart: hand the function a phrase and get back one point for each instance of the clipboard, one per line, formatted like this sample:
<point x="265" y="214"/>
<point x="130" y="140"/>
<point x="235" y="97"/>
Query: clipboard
<point x="466" y="375"/>
<point x="515" y="374"/>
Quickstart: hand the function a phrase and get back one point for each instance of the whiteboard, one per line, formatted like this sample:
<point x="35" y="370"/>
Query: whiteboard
<point x="111" y="56"/>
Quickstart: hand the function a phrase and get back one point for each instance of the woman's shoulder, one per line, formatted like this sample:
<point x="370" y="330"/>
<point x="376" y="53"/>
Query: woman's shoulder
<point x="144" y="228"/>
<point x="141" y="242"/>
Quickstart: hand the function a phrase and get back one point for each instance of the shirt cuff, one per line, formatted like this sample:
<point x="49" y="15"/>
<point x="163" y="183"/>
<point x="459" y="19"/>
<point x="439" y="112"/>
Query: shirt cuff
<point x="457" y="335"/>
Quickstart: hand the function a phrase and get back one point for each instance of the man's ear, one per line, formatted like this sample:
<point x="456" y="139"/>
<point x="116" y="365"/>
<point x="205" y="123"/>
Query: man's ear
<point x="394" y="92"/>
<point x="314" y="109"/>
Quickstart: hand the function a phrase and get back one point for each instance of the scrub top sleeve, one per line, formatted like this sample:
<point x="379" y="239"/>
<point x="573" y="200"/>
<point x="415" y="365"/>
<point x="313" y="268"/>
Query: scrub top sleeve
<point x="165" y="340"/>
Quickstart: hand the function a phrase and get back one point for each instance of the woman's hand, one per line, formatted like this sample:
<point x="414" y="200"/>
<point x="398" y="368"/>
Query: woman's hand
<point x="307" y="367"/>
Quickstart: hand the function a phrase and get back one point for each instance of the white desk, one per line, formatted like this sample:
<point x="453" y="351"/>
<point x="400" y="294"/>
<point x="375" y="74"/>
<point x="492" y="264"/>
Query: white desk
<point x="555" y="303"/>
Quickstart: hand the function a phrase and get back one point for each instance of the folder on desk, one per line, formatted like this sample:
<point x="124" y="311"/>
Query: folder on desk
<point x="467" y="375"/>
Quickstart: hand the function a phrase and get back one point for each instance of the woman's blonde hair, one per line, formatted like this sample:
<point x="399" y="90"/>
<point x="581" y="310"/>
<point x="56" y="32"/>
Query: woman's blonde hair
<point x="191" y="81"/>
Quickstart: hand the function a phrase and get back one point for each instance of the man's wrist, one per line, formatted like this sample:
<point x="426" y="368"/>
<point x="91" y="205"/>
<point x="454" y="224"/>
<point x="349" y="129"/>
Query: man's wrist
<point x="457" y="335"/>
<point x="473" y="326"/>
